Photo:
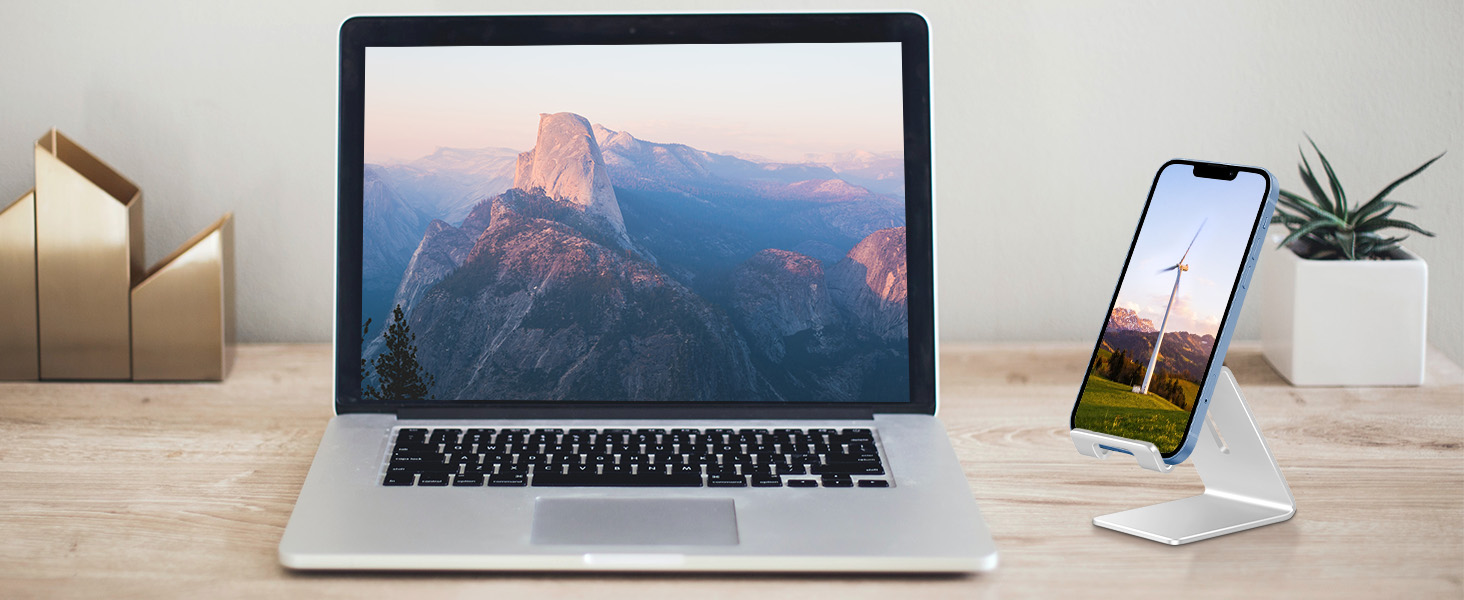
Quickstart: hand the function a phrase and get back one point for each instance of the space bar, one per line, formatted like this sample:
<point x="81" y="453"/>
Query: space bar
<point x="617" y="480"/>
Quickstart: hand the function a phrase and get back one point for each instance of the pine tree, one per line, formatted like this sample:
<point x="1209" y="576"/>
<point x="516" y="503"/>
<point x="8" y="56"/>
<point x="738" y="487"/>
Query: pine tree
<point x="399" y="376"/>
<point x="1115" y="365"/>
<point x="1167" y="387"/>
<point x="1132" y="373"/>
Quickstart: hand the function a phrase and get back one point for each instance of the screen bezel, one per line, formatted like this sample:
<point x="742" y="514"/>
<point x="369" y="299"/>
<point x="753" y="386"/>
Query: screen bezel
<point x="909" y="29"/>
<point x="1206" y="382"/>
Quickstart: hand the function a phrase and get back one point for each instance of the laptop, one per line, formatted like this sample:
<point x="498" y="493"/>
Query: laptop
<point x="643" y="293"/>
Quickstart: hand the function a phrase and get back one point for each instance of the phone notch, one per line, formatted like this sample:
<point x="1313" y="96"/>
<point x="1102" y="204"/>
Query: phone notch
<point x="1221" y="172"/>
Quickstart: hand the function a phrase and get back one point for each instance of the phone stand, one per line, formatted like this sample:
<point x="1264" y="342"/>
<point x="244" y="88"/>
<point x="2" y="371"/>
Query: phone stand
<point x="1244" y="488"/>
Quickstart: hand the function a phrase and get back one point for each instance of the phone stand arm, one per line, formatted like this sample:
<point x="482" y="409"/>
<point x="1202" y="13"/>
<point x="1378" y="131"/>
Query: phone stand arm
<point x="1244" y="487"/>
<point x="1100" y="445"/>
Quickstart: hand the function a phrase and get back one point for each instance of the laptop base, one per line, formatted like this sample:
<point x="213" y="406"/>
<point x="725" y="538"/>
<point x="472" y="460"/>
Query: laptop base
<point x="926" y="522"/>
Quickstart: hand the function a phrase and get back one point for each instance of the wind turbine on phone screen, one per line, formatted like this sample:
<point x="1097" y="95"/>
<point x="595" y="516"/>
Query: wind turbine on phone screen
<point x="1179" y="269"/>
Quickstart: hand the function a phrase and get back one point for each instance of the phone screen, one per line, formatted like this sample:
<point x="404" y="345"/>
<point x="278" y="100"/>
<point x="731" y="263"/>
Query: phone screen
<point x="1172" y="303"/>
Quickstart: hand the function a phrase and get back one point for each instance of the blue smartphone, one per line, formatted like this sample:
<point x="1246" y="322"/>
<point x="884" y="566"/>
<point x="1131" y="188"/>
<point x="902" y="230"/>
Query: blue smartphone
<point x="1164" y="337"/>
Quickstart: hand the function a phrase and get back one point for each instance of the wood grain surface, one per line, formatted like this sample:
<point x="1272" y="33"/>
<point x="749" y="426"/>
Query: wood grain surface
<point x="183" y="490"/>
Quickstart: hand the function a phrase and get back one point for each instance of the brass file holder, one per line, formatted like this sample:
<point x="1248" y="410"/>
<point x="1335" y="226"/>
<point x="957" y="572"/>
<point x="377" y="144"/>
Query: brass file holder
<point x="88" y="255"/>
<point x="180" y="312"/>
<point x="19" y="353"/>
<point x="75" y="299"/>
<point x="1244" y="488"/>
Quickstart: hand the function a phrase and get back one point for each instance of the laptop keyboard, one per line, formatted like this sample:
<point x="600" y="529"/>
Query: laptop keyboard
<point x="636" y="458"/>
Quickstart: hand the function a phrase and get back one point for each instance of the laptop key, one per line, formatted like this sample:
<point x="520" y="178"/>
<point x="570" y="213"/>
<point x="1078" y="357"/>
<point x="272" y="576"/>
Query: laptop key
<point x="468" y="479"/>
<point x="727" y="481"/>
<point x="874" y="483"/>
<point x="409" y="449"/>
<point x="787" y="469"/>
<point x="802" y="483"/>
<point x="432" y="479"/>
<point x="837" y="481"/>
<point x="435" y="464"/>
<point x="420" y="467"/>
<point x="848" y="469"/>
<point x="508" y="480"/>
<point x="865" y="458"/>
<point x="766" y="481"/>
<point x="405" y="459"/>
<point x="399" y="479"/>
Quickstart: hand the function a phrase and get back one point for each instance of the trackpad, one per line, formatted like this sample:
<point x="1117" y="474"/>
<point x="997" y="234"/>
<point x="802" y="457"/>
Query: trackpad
<point x="635" y="521"/>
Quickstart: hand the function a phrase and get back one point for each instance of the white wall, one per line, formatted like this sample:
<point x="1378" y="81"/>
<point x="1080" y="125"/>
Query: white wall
<point x="1050" y="120"/>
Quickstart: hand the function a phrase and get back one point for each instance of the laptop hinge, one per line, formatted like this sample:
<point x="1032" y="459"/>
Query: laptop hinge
<point x="782" y="411"/>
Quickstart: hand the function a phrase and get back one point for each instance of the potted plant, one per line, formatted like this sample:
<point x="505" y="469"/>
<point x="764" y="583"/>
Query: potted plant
<point x="1343" y="302"/>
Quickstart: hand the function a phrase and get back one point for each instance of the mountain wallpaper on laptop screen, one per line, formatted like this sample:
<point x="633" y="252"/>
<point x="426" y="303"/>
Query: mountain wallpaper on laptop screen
<point x="600" y="266"/>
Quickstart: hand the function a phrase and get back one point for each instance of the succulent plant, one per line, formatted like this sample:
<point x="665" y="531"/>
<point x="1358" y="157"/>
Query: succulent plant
<point x="1328" y="228"/>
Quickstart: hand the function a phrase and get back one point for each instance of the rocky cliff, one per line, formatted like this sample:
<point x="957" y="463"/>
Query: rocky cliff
<point x="804" y="344"/>
<point x="870" y="283"/>
<point x="441" y="252"/>
<point x="567" y="164"/>
<point x="1124" y="319"/>
<point x="777" y="294"/>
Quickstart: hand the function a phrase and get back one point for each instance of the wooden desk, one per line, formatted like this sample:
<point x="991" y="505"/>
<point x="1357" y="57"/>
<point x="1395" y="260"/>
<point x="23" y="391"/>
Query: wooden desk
<point x="131" y="490"/>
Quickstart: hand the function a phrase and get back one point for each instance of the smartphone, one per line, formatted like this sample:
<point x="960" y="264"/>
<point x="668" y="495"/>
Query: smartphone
<point x="1164" y="337"/>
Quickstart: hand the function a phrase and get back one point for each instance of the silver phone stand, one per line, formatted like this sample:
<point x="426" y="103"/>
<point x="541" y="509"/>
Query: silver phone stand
<point x="1244" y="488"/>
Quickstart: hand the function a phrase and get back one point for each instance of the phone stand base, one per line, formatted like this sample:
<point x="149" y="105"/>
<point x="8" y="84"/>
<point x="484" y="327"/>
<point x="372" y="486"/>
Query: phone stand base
<point x="1192" y="519"/>
<point x="1244" y="488"/>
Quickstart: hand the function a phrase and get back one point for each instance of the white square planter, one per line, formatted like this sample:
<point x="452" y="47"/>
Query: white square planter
<point x="1341" y="322"/>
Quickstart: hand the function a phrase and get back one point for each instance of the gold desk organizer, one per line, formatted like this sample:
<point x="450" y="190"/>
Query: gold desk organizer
<point x="19" y="352"/>
<point x="181" y="311"/>
<point x="75" y="299"/>
<point x="88" y="255"/>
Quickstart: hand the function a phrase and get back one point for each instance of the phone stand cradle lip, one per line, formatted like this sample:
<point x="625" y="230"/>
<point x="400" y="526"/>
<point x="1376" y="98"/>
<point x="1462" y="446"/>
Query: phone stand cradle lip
<point x="1244" y="488"/>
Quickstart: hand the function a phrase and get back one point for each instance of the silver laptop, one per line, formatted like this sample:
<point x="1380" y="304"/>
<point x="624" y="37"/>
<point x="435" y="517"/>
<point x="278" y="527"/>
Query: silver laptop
<point x="636" y="293"/>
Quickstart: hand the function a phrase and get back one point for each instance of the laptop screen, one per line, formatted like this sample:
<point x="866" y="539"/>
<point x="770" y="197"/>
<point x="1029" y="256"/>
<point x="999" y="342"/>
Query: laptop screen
<point x="675" y="222"/>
